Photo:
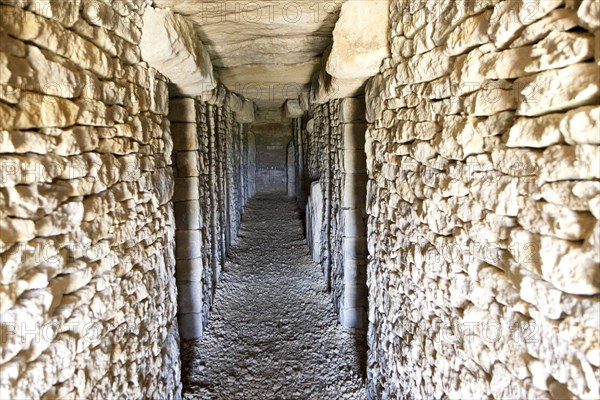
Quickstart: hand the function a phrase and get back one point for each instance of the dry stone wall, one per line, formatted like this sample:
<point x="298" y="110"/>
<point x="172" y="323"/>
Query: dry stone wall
<point x="330" y="159"/>
<point x="483" y="162"/>
<point x="211" y="189"/>
<point x="87" y="287"/>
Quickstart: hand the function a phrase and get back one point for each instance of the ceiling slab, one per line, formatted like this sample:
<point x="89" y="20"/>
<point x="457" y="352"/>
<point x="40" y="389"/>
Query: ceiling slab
<point x="264" y="50"/>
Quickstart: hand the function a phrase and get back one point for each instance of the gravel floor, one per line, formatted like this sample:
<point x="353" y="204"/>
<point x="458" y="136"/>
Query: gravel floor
<point x="273" y="333"/>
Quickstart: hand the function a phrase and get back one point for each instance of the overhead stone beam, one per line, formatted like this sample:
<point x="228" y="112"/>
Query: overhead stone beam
<point x="293" y="109"/>
<point x="171" y="44"/>
<point x="360" y="39"/>
<point x="360" y="44"/>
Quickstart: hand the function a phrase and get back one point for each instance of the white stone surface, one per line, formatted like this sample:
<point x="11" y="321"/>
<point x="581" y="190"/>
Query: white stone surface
<point x="170" y="44"/>
<point x="360" y="40"/>
<point x="314" y="221"/>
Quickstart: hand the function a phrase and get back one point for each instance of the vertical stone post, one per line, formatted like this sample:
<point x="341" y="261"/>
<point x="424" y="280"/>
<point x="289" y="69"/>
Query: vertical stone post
<point x="354" y="186"/>
<point x="291" y="170"/>
<point x="188" y="221"/>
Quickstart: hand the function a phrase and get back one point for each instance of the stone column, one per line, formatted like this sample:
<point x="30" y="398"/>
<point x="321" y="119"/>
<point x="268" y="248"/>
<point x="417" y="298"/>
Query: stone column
<point x="251" y="164"/>
<point x="291" y="170"/>
<point x="354" y="185"/>
<point x="188" y="219"/>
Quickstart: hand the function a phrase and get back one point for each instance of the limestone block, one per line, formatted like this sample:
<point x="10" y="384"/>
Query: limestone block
<point x="50" y="35"/>
<point x="355" y="296"/>
<point x="293" y="109"/>
<point x="52" y="78"/>
<point x="589" y="13"/>
<point x="354" y="136"/>
<point x="355" y="248"/>
<point x="314" y="220"/>
<point x="354" y="161"/>
<point x="190" y="325"/>
<point x="409" y="131"/>
<point x="189" y="270"/>
<point x="354" y="192"/>
<point x="310" y="124"/>
<point x="353" y="223"/>
<point x="291" y="170"/>
<point x="424" y="68"/>
<point x="325" y="87"/>
<point x="304" y="100"/>
<point x="496" y="193"/>
<point x="352" y="109"/>
<point x="374" y="102"/>
<point x="490" y="101"/>
<point x="185" y="136"/>
<point x="360" y="40"/>
<point x="170" y="44"/>
<point x="571" y="194"/>
<point x="16" y="230"/>
<point x="559" y="20"/>
<point x="581" y="126"/>
<point x="552" y="220"/>
<point x="536" y="132"/>
<point x="40" y="111"/>
<point x="188" y="244"/>
<point x="216" y="97"/>
<point x="568" y="163"/>
<point x="182" y="110"/>
<point x="234" y="101"/>
<point x="189" y="297"/>
<point x="509" y="17"/>
<point x="188" y="215"/>
<point x="354" y="271"/>
<point x="556" y="90"/>
<point x="471" y="33"/>
<point x="186" y="189"/>
<point x="560" y="262"/>
<point x="459" y="139"/>
<point x="353" y="317"/>
<point x="560" y="49"/>
<point x="246" y="114"/>
<point x="64" y="219"/>
<point x="188" y="164"/>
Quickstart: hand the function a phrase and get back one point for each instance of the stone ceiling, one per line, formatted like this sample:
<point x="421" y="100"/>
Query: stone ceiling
<point x="264" y="50"/>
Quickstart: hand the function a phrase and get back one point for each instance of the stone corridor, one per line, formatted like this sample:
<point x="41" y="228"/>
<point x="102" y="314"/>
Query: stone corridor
<point x="299" y="199"/>
<point x="272" y="332"/>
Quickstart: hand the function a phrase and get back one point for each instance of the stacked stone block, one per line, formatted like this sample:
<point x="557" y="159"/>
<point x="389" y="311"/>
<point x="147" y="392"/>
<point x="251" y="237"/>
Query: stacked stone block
<point x="210" y="191"/>
<point x="483" y="162"/>
<point x="331" y="146"/>
<point x="87" y="288"/>
<point x="188" y="215"/>
<point x="352" y="194"/>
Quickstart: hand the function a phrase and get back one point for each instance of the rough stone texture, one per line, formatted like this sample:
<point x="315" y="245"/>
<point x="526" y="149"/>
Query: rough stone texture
<point x="87" y="286"/>
<point x="484" y="260"/>
<point x="211" y="153"/>
<point x="266" y="51"/>
<point x="359" y="40"/>
<point x="330" y="154"/>
<point x="170" y="44"/>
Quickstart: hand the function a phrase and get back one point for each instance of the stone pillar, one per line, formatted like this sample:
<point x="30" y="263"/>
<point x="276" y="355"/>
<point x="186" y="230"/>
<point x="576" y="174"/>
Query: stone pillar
<point x="188" y="219"/>
<point x="353" y="220"/>
<point x="251" y="164"/>
<point x="291" y="170"/>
